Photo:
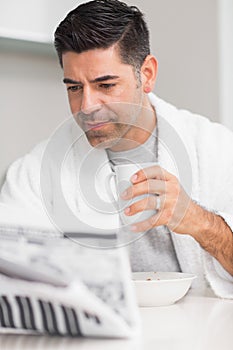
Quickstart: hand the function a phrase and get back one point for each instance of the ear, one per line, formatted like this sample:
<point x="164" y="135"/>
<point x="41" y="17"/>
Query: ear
<point x="149" y="73"/>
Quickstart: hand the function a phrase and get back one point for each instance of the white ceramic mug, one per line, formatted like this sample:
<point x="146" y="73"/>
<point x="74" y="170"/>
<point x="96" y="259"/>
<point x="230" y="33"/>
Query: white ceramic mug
<point x="122" y="175"/>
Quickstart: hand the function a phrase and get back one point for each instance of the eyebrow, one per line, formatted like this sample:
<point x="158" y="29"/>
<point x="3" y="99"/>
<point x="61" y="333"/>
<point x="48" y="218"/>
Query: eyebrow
<point x="96" y="80"/>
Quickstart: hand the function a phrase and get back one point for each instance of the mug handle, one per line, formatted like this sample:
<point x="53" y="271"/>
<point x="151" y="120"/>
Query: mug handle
<point x="109" y="190"/>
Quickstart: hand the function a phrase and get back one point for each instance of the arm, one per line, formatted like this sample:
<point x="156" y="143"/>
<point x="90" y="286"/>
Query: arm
<point x="215" y="236"/>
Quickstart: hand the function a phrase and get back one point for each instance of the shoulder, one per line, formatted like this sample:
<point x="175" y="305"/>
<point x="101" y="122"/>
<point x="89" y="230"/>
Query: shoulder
<point x="32" y="159"/>
<point x="192" y="127"/>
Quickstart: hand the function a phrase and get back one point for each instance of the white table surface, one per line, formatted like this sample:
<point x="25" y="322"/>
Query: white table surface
<point x="198" y="323"/>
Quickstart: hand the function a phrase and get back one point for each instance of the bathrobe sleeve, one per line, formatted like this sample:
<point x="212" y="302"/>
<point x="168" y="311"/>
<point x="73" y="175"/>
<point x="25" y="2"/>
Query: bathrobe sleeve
<point x="214" y="150"/>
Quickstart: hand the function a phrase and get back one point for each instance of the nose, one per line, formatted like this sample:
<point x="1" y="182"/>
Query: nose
<point x="90" y="101"/>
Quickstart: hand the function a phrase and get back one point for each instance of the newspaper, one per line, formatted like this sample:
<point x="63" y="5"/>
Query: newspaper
<point x="53" y="285"/>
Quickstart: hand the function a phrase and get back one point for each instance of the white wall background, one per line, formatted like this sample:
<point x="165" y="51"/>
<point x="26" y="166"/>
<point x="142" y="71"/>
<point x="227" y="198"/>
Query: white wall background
<point x="188" y="38"/>
<point x="225" y="12"/>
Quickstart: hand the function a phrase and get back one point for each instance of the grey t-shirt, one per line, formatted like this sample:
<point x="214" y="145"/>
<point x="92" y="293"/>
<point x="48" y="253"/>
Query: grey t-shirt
<point x="154" y="251"/>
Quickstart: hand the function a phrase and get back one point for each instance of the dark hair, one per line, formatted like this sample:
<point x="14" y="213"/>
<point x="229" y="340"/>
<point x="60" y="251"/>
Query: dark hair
<point x="102" y="23"/>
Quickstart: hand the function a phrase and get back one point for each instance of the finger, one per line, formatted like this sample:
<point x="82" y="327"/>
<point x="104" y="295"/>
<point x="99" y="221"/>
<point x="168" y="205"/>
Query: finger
<point x="154" y="172"/>
<point x="150" y="186"/>
<point x="147" y="203"/>
<point x="143" y="226"/>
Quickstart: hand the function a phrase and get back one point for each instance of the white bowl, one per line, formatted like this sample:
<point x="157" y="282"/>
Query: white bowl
<point x="161" y="288"/>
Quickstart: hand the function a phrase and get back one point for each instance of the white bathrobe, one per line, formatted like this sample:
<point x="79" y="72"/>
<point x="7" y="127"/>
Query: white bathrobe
<point x="61" y="183"/>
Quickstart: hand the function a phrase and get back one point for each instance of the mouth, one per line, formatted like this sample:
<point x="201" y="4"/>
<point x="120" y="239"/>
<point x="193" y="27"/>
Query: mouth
<point x="95" y="126"/>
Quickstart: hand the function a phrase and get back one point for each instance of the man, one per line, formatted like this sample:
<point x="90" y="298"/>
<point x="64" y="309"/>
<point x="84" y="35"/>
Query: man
<point x="103" y="48"/>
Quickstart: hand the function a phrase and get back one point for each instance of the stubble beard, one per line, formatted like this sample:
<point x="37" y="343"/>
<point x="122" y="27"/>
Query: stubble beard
<point x="103" y="140"/>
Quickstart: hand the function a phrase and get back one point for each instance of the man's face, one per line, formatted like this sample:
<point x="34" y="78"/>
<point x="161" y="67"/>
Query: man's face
<point x="104" y="94"/>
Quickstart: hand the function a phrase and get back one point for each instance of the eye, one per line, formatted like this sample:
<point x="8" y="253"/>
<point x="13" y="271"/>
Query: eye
<point x="74" y="88"/>
<point x="107" y="86"/>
